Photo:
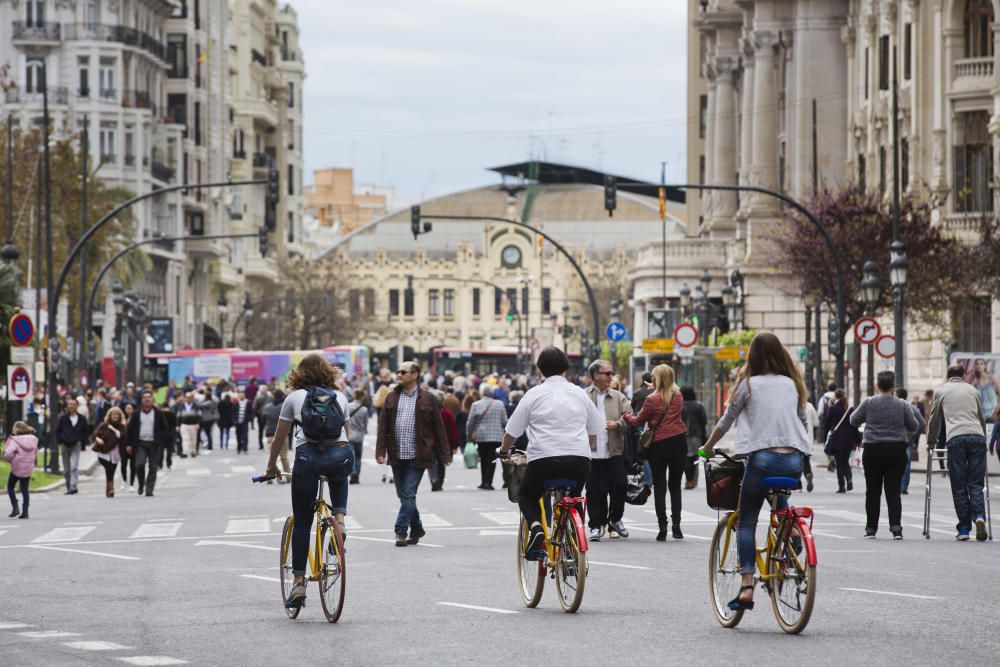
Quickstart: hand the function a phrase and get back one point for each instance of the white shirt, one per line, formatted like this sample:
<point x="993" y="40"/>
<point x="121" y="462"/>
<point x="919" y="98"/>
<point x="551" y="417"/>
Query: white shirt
<point x="291" y="411"/>
<point x="146" y="422"/>
<point x="602" y="435"/>
<point x="559" y="418"/>
<point x="73" y="419"/>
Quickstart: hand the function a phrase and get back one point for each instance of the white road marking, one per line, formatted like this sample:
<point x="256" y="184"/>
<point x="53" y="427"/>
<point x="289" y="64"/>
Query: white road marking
<point x="844" y="514"/>
<point x="245" y="545"/>
<point x="156" y="520"/>
<point x="352" y="524"/>
<point x="152" y="660"/>
<point x="490" y="533"/>
<point x="2" y="532"/>
<point x="156" y="530"/>
<point x="934" y="517"/>
<point x="81" y="551"/>
<point x="14" y="626"/>
<point x="199" y="472"/>
<point x="66" y="534"/>
<point x="826" y="533"/>
<point x="493" y="610"/>
<point x="627" y="567"/>
<point x="502" y="518"/>
<point x="226" y="461"/>
<point x="461" y="487"/>
<point x="686" y="535"/>
<point x="48" y="634"/>
<point x="9" y="525"/>
<point x="261" y="525"/>
<point x="432" y="520"/>
<point x="239" y="469"/>
<point x="262" y="578"/>
<point x="83" y="523"/>
<point x="382" y="539"/>
<point x="901" y="595"/>
<point x="97" y="646"/>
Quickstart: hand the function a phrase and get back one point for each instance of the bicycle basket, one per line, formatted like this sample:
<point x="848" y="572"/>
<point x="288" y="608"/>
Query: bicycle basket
<point x="637" y="491"/>
<point x="722" y="483"/>
<point x="514" y="470"/>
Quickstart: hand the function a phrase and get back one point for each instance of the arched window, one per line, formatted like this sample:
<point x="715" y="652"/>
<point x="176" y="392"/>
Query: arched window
<point x="978" y="28"/>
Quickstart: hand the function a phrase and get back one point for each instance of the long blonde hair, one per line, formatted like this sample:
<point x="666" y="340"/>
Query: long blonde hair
<point x="767" y="356"/>
<point x="114" y="410"/>
<point x="665" y="383"/>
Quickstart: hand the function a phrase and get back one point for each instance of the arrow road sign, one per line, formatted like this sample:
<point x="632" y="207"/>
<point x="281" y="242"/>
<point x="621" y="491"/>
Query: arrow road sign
<point x="866" y="331"/>
<point x="22" y="330"/>
<point x="616" y="331"/>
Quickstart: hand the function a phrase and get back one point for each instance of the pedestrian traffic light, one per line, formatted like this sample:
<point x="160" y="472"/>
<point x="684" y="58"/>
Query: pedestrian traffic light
<point x="512" y="312"/>
<point x="833" y="340"/>
<point x="262" y="240"/>
<point x="610" y="194"/>
<point x="415" y="221"/>
<point x="272" y="198"/>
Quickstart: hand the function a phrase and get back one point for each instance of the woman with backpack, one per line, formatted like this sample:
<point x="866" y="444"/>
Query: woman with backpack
<point x="318" y="410"/>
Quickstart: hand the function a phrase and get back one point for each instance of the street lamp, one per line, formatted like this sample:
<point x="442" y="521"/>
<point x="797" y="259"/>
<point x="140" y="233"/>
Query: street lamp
<point x="705" y="281"/>
<point x="223" y="306"/>
<point x="870" y="290"/>
<point x="685" y="299"/>
<point x="739" y="299"/>
<point x="897" y="275"/>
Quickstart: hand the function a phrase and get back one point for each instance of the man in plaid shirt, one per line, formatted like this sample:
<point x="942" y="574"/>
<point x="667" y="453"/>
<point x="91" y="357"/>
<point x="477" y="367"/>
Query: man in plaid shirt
<point x="410" y="433"/>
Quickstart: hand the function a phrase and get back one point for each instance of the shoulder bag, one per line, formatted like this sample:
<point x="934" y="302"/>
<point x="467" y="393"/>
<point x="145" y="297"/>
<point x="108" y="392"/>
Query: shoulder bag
<point x="828" y="447"/>
<point x="646" y="439"/>
<point x="479" y="421"/>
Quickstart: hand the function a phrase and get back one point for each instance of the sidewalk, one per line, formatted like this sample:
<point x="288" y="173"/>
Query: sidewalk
<point x="88" y="466"/>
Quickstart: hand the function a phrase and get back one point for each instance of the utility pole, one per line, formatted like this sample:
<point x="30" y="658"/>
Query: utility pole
<point x="663" y="222"/>
<point x="898" y="257"/>
<point x="84" y="338"/>
<point x="52" y="404"/>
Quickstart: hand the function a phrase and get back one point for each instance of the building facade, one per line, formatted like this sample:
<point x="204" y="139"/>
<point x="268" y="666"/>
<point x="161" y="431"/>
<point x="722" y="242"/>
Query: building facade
<point x="336" y="203"/>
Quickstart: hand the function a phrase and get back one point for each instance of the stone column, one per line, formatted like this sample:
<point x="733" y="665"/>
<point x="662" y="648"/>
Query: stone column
<point x="724" y="172"/>
<point x="765" y="127"/>
<point x="707" y="196"/>
<point x="746" y="120"/>
<point x="638" y="325"/>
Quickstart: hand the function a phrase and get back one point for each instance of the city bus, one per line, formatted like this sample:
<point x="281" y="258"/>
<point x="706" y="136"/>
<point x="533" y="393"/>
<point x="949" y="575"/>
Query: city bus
<point x="501" y="360"/>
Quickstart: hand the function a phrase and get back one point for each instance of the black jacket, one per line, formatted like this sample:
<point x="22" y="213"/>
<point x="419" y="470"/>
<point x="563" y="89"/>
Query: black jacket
<point x="161" y="430"/>
<point x="67" y="434"/>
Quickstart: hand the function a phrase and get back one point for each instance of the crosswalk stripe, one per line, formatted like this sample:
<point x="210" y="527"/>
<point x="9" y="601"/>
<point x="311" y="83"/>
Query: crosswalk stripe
<point x="261" y="525"/>
<point x="502" y="518"/>
<point x="48" y="634"/>
<point x="156" y="530"/>
<point x="241" y="469"/>
<point x="844" y="514"/>
<point x="432" y="521"/>
<point x="353" y="524"/>
<point x="64" y="534"/>
<point x="13" y="626"/>
<point x="199" y="472"/>
<point x="152" y="660"/>
<point x="97" y="646"/>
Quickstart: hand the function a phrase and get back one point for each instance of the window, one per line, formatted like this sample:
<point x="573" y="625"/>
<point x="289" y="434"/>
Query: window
<point x="881" y="169"/>
<point x="971" y="319"/>
<point x="434" y="302"/>
<point x="34" y="13"/>
<point x="354" y="302"/>
<point x="196" y="223"/>
<point x="907" y="51"/>
<point x="511" y="299"/>
<point x="291" y="134"/>
<point x="129" y="148"/>
<point x="701" y="170"/>
<point x="867" y="63"/>
<point x="978" y="28"/>
<point x="291" y="179"/>
<point x="524" y="300"/>
<point x="83" y="63"/>
<point x="177" y="56"/>
<point x="197" y="65"/>
<point x="883" y="62"/>
<point x="91" y="13"/>
<point x="34" y="75"/>
<point x="291" y="94"/>
<point x="179" y="12"/>
<point x="239" y="143"/>
<point x="781" y="167"/>
<point x="177" y="109"/>
<point x="106" y="78"/>
<point x="449" y="303"/>
<point x="408" y="302"/>
<point x="497" y="301"/>
<point x="370" y="301"/>
<point x="197" y="124"/>
<point x="107" y="143"/>
<point x="861" y="172"/>
<point x="475" y="302"/>
<point x="291" y="227"/>
<point x="546" y="300"/>
<point x="394" y="303"/>
<point x="973" y="163"/>
<point x="904" y="163"/>
<point x="702" y="116"/>
<point x="197" y="14"/>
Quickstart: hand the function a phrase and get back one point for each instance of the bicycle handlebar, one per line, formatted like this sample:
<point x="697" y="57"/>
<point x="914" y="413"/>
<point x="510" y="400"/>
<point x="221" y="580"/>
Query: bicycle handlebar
<point x="257" y="479"/>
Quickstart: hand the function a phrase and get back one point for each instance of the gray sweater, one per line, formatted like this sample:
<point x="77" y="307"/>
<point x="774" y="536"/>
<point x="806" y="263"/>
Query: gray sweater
<point x="887" y="419"/>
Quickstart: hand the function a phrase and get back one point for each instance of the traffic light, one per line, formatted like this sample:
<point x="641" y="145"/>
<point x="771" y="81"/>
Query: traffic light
<point x="610" y="194"/>
<point x="512" y="312"/>
<point x="833" y="341"/>
<point x="262" y="240"/>
<point x="415" y="221"/>
<point x="271" y="199"/>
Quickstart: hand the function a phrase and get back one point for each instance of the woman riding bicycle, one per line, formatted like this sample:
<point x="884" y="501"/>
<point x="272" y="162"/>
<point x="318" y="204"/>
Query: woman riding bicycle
<point x="331" y="457"/>
<point x="770" y="400"/>
<point x="562" y="425"/>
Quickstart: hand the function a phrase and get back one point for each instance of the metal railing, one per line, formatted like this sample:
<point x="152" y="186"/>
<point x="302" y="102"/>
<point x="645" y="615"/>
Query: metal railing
<point x="46" y="32"/>
<point x="161" y="171"/>
<point x="59" y="95"/>
<point x="115" y="33"/>
<point x="261" y="160"/>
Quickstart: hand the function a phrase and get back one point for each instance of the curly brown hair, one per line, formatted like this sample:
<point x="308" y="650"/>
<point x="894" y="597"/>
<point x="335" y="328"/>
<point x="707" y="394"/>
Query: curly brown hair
<point x="313" y="371"/>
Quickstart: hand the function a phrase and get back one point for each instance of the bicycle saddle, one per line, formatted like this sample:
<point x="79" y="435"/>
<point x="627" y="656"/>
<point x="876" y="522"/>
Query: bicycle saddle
<point x="559" y="484"/>
<point x="789" y="483"/>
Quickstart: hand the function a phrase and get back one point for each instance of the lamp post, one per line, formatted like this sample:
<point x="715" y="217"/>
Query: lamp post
<point x="223" y="306"/>
<point x="685" y="293"/>
<point x="870" y="289"/>
<point x="897" y="276"/>
<point x="615" y="312"/>
<point x="245" y="315"/>
<point x="739" y="299"/>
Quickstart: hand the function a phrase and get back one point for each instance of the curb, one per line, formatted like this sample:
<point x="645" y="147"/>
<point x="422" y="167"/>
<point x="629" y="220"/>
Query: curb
<point x="85" y="472"/>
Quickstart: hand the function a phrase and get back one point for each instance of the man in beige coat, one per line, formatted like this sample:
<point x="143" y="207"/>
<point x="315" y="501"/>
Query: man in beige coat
<point x="607" y="464"/>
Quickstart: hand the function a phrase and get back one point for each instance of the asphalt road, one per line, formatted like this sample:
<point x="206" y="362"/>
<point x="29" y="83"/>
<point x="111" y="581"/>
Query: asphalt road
<point x="190" y="576"/>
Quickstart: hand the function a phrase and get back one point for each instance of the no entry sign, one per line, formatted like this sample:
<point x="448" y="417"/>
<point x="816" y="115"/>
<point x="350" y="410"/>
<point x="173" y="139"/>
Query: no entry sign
<point x="885" y="346"/>
<point x="22" y="330"/>
<point x="20" y="382"/>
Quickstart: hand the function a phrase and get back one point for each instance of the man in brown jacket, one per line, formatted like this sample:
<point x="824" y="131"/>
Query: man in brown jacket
<point x="410" y="432"/>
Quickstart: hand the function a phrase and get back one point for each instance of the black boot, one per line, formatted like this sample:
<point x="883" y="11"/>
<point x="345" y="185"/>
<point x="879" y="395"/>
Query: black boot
<point x="677" y="534"/>
<point x="662" y="535"/>
<point x="24" y="512"/>
<point x="15" y="511"/>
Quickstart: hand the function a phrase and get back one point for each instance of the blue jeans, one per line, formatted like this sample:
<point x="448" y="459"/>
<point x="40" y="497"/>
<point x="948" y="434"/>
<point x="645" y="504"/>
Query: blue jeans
<point x="967" y="469"/>
<point x="358" y="447"/>
<point x="311" y="461"/>
<point x="761" y="464"/>
<point x="406" y="475"/>
<point x="905" y="482"/>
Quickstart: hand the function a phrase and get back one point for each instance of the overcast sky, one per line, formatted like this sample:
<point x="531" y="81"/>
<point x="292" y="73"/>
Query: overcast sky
<point x="426" y="95"/>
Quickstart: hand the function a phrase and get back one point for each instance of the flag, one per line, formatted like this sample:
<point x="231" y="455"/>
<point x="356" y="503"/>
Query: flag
<point x="663" y="204"/>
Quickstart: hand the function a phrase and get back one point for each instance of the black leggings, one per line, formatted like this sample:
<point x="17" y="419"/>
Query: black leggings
<point x="126" y="458"/>
<point x="884" y="464"/>
<point x="487" y="461"/>
<point x="109" y="470"/>
<point x="576" y="468"/>
<point x="12" y="480"/>
<point x="668" y="455"/>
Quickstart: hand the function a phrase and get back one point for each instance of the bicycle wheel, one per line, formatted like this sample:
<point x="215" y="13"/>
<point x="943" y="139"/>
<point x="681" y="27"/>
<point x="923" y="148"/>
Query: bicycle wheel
<point x="724" y="576"/>
<point x="792" y="582"/>
<point x="570" y="566"/>
<point x="285" y="567"/>
<point x="530" y="574"/>
<point x="333" y="570"/>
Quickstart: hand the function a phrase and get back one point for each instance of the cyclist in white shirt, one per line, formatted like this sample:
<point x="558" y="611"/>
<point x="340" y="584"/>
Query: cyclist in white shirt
<point x="562" y="424"/>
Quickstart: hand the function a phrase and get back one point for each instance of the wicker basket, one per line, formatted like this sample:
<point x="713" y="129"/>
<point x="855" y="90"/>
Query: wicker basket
<point x="514" y="470"/>
<point x="722" y="483"/>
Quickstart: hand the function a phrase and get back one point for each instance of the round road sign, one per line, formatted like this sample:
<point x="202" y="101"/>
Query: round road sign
<point x="685" y="335"/>
<point x="616" y="331"/>
<point x="866" y="331"/>
<point x="885" y="346"/>
<point x="20" y="382"/>
<point x="22" y="330"/>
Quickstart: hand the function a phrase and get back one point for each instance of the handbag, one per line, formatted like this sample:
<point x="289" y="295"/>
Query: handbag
<point x="828" y="447"/>
<point x="470" y="455"/>
<point x="646" y="439"/>
<point x="637" y="491"/>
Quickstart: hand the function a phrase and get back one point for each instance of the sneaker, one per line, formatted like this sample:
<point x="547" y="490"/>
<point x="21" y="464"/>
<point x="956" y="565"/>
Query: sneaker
<point x="980" y="530"/>
<point x="595" y="534"/>
<point x="535" y="541"/>
<point x="963" y="535"/>
<point x="401" y="540"/>
<point x="869" y="534"/>
<point x="124" y="486"/>
<point x="617" y="529"/>
<point x="416" y="534"/>
<point x="297" y="596"/>
<point x="897" y="533"/>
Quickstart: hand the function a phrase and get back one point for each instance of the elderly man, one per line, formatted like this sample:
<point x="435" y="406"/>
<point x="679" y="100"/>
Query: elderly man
<point x="189" y="422"/>
<point x="485" y="427"/>
<point x="607" y="463"/>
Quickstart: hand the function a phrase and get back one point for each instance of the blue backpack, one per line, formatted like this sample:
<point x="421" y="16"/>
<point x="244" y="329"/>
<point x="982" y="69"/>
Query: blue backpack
<point x="322" y="419"/>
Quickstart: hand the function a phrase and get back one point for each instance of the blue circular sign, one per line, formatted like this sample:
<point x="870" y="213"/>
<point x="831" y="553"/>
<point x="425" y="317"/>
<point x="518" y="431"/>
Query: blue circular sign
<point x="616" y="332"/>
<point x="22" y="330"/>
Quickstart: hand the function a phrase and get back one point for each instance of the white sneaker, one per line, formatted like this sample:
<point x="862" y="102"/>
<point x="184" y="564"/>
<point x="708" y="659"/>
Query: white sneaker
<point x="124" y="486"/>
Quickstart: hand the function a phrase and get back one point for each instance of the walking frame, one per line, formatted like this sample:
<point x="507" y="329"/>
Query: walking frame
<point x="939" y="455"/>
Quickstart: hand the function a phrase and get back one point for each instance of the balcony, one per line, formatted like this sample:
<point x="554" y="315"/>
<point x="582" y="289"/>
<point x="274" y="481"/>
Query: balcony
<point x="177" y="72"/>
<point x="109" y="158"/>
<point x="239" y="155"/>
<point x="36" y="34"/>
<point x="59" y="95"/>
<point x="161" y="172"/>
<point x="109" y="94"/>
<point x="129" y="160"/>
<point x="973" y="74"/>
<point x="261" y="160"/>
<point x="115" y="33"/>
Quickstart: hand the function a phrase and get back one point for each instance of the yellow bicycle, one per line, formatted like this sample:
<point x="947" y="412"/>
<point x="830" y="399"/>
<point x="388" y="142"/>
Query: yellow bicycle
<point x="327" y="565"/>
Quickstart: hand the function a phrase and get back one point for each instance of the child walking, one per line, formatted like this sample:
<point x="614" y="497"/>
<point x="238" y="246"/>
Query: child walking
<point x="20" y="453"/>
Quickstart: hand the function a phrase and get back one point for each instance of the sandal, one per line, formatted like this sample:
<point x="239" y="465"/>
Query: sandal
<point x="736" y="604"/>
